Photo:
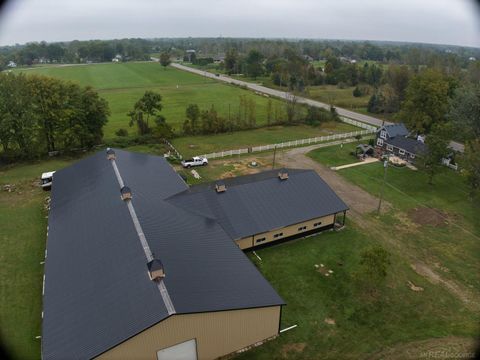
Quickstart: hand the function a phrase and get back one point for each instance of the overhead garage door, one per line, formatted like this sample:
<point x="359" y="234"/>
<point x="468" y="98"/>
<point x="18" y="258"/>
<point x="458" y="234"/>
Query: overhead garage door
<point x="183" y="351"/>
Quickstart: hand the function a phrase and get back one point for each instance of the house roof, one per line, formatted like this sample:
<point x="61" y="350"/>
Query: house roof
<point x="394" y="130"/>
<point x="262" y="202"/>
<point x="410" y="145"/>
<point x="97" y="290"/>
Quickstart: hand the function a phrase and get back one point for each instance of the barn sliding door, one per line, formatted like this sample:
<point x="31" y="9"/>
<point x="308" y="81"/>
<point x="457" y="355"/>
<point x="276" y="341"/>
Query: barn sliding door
<point x="183" y="351"/>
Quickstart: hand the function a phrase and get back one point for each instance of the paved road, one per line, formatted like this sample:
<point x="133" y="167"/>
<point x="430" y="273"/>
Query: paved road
<point x="285" y="95"/>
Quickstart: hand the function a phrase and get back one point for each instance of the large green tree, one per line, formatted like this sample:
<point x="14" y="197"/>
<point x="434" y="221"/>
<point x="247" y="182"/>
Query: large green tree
<point x="165" y="59"/>
<point x="426" y="101"/>
<point x="437" y="149"/>
<point x="231" y="61"/>
<point x="254" y="63"/>
<point x="471" y="165"/>
<point x="465" y="111"/>
<point x="146" y="108"/>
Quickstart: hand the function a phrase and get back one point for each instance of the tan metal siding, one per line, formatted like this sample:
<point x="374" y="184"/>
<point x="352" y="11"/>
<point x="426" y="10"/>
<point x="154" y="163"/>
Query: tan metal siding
<point x="292" y="229"/>
<point x="217" y="333"/>
<point x="245" y="243"/>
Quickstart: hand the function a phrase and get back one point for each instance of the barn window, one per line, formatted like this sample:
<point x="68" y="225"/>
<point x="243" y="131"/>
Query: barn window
<point x="260" y="240"/>
<point x="302" y="228"/>
<point x="278" y="235"/>
<point x="317" y="224"/>
<point x="379" y="142"/>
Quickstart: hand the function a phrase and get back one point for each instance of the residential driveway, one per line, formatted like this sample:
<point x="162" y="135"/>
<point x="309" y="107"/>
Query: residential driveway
<point x="358" y="200"/>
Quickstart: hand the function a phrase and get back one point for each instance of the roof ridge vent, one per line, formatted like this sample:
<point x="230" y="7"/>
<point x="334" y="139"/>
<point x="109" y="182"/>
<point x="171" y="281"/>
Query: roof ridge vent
<point x="126" y="193"/>
<point x="220" y="186"/>
<point x="283" y="174"/>
<point x="156" y="270"/>
<point x="110" y="154"/>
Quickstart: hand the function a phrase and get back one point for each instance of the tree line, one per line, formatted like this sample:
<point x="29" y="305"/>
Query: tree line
<point x="40" y="114"/>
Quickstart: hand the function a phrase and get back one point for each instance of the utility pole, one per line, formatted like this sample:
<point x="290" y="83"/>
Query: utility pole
<point x="385" y="166"/>
<point x="274" y="154"/>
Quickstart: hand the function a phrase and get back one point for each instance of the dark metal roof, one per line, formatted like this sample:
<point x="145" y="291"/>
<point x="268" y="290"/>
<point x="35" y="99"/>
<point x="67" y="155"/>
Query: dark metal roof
<point x="394" y="130"/>
<point x="410" y="145"/>
<point x="262" y="202"/>
<point x="97" y="289"/>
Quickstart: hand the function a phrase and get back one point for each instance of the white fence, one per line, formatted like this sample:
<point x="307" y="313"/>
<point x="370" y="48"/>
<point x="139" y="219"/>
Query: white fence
<point x="358" y="123"/>
<point x="292" y="143"/>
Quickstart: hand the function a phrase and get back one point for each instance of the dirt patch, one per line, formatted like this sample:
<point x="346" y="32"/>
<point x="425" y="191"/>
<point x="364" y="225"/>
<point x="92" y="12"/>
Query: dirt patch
<point x="330" y="321"/>
<point x="443" y="348"/>
<point x="455" y="288"/>
<point x="294" y="347"/>
<point x="414" y="287"/>
<point x="427" y="216"/>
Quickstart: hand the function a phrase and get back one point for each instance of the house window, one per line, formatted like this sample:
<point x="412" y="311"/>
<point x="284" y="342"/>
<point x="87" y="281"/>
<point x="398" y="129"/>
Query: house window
<point x="412" y="156"/>
<point x="401" y="152"/>
<point x="260" y="240"/>
<point x="383" y="134"/>
<point x="379" y="142"/>
<point x="302" y="228"/>
<point x="277" y="235"/>
<point x="390" y="147"/>
<point x="317" y="224"/>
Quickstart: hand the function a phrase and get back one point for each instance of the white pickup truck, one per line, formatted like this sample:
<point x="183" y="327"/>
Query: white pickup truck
<point x="47" y="179"/>
<point x="195" y="161"/>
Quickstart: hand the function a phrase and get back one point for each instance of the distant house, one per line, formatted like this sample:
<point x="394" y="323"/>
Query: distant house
<point x="308" y="58"/>
<point x="393" y="139"/>
<point x="217" y="59"/>
<point x="117" y="58"/>
<point x="11" y="64"/>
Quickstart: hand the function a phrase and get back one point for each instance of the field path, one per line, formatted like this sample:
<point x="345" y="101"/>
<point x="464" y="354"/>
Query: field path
<point x="302" y="100"/>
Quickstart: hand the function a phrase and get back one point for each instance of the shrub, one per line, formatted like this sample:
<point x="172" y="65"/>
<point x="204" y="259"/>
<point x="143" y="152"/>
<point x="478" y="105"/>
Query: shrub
<point x="121" y="132"/>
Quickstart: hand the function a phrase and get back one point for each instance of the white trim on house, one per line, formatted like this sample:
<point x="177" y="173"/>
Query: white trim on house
<point x="380" y="142"/>
<point x="389" y="147"/>
<point x="401" y="151"/>
<point x="383" y="134"/>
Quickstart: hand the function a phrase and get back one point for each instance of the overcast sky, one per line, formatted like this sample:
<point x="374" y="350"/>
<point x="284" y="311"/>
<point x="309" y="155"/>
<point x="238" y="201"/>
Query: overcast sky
<point x="432" y="21"/>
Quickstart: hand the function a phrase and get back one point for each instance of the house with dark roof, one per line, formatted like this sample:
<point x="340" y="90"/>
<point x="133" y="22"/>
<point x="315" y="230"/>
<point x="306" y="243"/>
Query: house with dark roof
<point x="394" y="139"/>
<point x="140" y="265"/>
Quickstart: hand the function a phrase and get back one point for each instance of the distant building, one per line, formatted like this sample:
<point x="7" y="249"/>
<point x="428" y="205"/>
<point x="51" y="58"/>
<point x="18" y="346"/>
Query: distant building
<point x="117" y="58"/>
<point x="308" y="58"/>
<point x="11" y="64"/>
<point x="471" y="58"/>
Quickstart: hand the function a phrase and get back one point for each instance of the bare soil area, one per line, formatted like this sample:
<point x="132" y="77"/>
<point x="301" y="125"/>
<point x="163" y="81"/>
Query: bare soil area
<point x="427" y="216"/>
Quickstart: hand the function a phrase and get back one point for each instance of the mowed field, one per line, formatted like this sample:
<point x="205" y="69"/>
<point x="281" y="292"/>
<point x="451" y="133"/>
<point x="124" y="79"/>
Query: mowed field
<point x="123" y="84"/>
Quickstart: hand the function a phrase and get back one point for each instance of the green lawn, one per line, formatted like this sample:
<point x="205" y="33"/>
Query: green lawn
<point x="454" y="244"/>
<point x="362" y="327"/>
<point x="198" y="145"/>
<point x="123" y="84"/>
<point x="335" y="155"/>
<point x="22" y="247"/>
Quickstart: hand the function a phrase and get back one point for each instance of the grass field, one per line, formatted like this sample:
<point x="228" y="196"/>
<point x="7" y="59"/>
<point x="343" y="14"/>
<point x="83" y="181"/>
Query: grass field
<point x="123" y="84"/>
<point x="197" y="145"/>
